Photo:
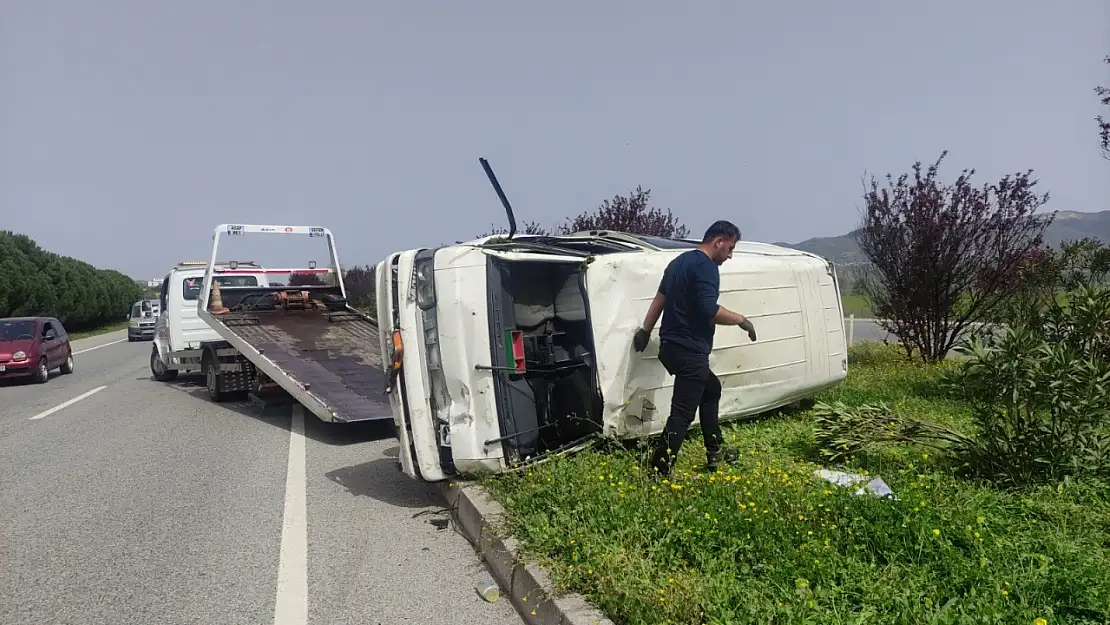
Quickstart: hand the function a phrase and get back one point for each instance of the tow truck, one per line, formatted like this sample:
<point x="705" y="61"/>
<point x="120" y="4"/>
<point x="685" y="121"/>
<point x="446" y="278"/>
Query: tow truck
<point x="304" y="339"/>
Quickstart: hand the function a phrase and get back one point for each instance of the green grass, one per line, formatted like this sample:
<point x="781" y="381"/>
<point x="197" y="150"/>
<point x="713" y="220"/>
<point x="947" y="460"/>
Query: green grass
<point x="765" y="538"/>
<point x="111" y="327"/>
<point x="856" y="305"/>
<point x="859" y="305"/>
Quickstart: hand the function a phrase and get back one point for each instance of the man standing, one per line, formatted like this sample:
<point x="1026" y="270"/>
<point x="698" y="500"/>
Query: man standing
<point x="687" y="299"/>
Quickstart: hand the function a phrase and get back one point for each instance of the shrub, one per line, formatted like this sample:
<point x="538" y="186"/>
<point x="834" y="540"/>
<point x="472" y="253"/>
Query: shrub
<point x="945" y="256"/>
<point x="1039" y="392"/>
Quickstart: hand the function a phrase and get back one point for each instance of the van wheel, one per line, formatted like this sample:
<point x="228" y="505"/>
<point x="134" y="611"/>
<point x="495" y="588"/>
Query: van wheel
<point x="42" y="372"/>
<point x="158" y="368"/>
<point x="67" y="366"/>
<point x="210" y="365"/>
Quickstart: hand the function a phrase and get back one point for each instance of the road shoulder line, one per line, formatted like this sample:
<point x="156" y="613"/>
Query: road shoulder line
<point x="291" y="606"/>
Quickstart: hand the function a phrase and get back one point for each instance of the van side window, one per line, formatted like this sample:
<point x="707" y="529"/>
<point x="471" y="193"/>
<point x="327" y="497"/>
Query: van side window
<point x="46" y="327"/>
<point x="135" y="312"/>
<point x="59" y="328"/>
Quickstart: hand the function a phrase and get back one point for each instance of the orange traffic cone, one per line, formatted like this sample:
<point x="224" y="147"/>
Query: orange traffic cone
<point x="216" y="302"/>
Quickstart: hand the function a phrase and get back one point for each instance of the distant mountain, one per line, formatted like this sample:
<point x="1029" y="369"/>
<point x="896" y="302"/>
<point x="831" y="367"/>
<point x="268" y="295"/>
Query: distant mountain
<point x="1068" y="226"/>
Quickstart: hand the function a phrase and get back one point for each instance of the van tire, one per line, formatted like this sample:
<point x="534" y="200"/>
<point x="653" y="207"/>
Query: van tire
<point x="158" y="368"/>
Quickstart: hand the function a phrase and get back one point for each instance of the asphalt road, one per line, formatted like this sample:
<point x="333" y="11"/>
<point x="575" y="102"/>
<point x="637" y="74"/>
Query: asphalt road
<point x="144" y="503"/>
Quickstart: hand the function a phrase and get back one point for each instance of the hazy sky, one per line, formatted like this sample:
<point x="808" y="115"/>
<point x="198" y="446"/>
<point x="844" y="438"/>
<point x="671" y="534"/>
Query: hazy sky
<point x="129" y="129"/>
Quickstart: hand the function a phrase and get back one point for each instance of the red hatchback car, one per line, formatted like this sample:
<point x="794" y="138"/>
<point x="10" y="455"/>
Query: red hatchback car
<point x="32" y="347"/>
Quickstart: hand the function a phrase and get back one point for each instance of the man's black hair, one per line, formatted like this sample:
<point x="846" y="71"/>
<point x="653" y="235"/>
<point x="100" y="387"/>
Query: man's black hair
<point x="721" y="228"/>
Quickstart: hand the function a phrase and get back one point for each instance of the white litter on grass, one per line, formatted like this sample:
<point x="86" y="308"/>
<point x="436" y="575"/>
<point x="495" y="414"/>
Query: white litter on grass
<point x="874" y="486"/>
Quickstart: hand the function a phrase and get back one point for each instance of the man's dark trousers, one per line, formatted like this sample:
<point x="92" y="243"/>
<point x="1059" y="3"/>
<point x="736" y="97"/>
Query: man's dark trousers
<point x="696" y="388"/>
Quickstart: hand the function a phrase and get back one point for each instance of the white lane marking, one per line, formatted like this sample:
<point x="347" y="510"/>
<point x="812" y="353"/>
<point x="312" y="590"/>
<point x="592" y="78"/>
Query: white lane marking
<point x="67" y="404"/>
<point x="291" y="607"/>
<point x="89" y="349"/>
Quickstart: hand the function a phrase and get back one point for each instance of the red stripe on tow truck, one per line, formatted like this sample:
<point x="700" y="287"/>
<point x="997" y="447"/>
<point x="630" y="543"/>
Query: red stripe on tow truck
<point x="256" y="271"/>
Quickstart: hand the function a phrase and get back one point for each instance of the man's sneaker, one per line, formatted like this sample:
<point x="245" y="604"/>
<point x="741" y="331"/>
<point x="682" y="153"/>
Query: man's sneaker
<point x="727" y="454"/>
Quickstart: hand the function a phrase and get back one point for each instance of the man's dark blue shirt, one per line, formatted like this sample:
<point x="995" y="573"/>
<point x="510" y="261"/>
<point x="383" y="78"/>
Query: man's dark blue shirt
<point x="690" y="286"/>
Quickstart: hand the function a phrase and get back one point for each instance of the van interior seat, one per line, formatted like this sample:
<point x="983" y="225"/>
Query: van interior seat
<point x="543" y="294"/>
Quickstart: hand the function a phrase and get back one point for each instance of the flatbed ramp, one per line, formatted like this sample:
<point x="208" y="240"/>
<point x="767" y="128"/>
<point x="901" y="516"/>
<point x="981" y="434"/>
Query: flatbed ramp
<point x="334" y="356"/>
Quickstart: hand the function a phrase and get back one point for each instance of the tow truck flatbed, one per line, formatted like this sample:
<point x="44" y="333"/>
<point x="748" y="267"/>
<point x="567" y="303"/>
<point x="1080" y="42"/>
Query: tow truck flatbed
<point x="334" y="357"/>
<point x="304" y="338"/>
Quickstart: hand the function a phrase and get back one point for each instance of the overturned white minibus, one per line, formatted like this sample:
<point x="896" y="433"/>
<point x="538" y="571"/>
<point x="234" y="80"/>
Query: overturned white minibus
<point x="503" y="351"/>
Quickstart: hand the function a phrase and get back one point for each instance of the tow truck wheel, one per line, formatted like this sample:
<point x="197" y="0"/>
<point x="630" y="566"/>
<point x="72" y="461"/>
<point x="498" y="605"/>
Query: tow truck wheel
<point x="210" y="364"/>
<point x="158" y="368"/>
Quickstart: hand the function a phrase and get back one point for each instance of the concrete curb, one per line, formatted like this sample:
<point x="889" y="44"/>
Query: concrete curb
<point x="477" y="517"/>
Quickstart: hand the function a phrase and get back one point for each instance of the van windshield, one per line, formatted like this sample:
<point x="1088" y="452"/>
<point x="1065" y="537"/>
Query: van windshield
<point x="191" y="286"/>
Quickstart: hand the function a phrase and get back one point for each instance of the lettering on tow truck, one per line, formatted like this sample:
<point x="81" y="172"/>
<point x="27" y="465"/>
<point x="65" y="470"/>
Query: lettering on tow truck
<point x="268" y="229"/>
<point x="315" y="232"/>
<point x="235" y="230"/>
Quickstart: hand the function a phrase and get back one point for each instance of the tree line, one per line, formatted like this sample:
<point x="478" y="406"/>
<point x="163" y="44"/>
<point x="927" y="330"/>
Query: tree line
<point x="34" y="282"/>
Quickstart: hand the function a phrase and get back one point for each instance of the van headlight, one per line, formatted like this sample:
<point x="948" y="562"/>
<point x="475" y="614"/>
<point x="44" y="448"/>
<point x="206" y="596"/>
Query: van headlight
<point x="425" y="283"/>
<point x="19" y="356"/>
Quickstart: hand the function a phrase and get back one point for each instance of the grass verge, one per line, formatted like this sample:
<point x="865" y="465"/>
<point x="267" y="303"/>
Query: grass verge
<point x="112" y="327"/>
<point x="765" y="539"/>
<point x="856" y="305"/>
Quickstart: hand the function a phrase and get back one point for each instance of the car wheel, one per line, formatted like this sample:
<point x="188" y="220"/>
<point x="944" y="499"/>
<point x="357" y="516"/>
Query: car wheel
<point x="67" y="366"/>
<point x="42" y="373"/>
<point x="158" y="368"/>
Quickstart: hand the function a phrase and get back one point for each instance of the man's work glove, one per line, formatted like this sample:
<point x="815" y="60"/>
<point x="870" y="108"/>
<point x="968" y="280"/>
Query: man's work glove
<point x="747" y="325"/>
<point x="640" y="341"/>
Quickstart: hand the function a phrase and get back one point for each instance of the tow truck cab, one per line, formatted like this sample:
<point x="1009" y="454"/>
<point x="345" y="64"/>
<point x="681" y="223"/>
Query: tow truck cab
<point x="501" y="353"/>
<point x="179" y="331"/>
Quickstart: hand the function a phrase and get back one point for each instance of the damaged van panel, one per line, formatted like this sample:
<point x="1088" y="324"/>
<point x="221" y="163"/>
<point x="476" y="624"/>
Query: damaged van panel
<point x="516" y="350"/>
<point x="790" y="297"/>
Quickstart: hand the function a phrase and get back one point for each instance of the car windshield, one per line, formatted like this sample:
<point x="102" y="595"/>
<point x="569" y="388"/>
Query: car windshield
<point x="17" y="330"/>
<point x="191" y="286"/>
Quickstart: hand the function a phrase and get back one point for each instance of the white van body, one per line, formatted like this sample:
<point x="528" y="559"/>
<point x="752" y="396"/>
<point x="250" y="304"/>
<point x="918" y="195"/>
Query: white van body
<point x="460" y="407"/>
<point x="179" y="331"/>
